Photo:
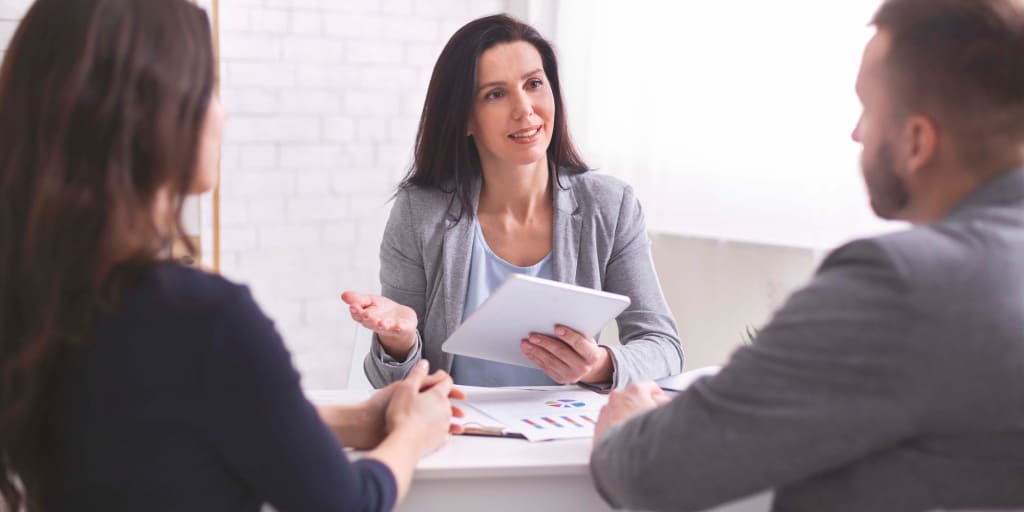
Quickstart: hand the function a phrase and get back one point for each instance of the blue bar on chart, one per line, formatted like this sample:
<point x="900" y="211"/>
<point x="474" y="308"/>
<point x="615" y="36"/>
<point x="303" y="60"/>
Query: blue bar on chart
<point x="571" y="421"/>
<point x="545" y="422"/>
<point x="553" y="422"/>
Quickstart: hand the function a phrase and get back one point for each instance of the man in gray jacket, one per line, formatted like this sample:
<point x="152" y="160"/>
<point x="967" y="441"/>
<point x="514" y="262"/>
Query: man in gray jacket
<point x="895" y="379"/>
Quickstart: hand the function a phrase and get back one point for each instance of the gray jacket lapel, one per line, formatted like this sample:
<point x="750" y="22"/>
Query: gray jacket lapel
<point x="456" y="251"/>
<point x="565" y="234"/>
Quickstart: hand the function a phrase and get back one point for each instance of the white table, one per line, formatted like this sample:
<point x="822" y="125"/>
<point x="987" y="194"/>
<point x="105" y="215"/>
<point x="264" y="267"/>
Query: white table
<point x="505" y="474"/>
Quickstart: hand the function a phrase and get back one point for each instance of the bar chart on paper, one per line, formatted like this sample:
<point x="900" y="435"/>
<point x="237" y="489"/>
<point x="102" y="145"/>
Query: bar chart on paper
<point x="540" y="414"/>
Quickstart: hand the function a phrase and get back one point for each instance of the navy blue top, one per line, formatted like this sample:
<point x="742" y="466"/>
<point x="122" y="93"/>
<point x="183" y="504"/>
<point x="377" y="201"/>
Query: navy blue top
<point x="186" y="399"/>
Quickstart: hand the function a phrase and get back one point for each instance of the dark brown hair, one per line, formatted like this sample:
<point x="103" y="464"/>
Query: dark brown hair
<point x="961" y="62"/>
<point x="102" y="103"/>
<point x="445" y="158"/>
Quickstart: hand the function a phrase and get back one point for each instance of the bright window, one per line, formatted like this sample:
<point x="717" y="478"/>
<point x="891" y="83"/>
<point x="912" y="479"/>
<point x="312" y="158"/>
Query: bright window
<point x="732" y="119"/>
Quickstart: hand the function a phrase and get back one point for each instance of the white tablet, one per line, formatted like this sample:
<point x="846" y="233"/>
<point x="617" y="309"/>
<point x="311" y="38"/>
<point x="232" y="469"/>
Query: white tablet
<point x="523" y="305"/>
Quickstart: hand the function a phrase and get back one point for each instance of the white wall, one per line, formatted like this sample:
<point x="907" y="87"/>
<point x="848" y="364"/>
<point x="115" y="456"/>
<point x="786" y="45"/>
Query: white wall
<point x="323" y="98"/>
<point x="719" y="290"/>
<point x="11" y="11"/>
<point x="731" y="119"/>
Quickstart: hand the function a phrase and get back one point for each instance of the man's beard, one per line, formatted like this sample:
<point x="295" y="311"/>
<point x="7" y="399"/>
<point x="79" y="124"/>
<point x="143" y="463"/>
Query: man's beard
<point x="887" y="191"/>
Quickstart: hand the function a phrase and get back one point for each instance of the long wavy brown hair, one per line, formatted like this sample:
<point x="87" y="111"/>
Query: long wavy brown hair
<point x="444" y="157"/>
<point x="102" y="103"/>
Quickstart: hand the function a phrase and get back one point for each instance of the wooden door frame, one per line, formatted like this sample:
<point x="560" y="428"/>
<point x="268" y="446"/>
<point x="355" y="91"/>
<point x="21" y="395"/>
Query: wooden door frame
<point x="216" y="189"/>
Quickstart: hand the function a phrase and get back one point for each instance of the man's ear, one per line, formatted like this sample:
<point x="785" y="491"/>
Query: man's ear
<point x="921" y="137"/>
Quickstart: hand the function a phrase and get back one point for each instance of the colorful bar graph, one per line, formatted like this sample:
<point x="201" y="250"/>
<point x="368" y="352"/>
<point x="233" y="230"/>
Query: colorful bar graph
<point x="528" y="422"/>
<point x="572" y="422"/>
<point x="551" y="421"/>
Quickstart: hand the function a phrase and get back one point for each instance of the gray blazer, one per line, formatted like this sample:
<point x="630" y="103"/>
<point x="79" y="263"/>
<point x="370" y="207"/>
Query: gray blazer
<point x="599" y="240"/>
<point x="894" y="381"/>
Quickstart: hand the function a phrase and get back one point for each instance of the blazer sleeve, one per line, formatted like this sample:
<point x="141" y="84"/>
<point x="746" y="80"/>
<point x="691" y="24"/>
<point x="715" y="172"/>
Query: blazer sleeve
<point x="649" y="341"/>
<point x="265" y="431"/>
<point x="403" y="280"/>
<point x="828" y="381"/>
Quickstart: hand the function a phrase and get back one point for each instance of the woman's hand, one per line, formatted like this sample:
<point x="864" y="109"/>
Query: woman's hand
<point x="571" y="357"/>
<point x="370" y="416"/>
<point x="420" y="405"/>
<point x="394" y="323"/>
<point x="363" y="426"/>
<point x="416" y="418"/>
<point x="636" y="399"/>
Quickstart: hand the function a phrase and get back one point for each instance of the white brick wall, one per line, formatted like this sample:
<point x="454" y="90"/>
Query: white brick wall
<point x="323" y="98"/>
<point x="7" y="28"/>
<point x="11" y="12"/>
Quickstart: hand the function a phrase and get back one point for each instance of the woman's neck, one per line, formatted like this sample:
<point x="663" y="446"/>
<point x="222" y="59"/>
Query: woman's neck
<point x="516" y="190"/>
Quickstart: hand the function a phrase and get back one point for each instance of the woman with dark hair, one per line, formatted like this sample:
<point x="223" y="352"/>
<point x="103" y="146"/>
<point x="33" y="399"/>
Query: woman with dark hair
<point x="497" y="188"/>
<point x="128" y="382"/>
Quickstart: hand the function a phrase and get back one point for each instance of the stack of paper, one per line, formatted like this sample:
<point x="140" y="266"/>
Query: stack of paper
<point x="538" y="414"/>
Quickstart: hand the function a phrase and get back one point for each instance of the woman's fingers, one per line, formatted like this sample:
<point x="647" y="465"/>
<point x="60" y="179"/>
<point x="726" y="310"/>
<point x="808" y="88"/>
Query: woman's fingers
<point x="442" y="388"/>
<point x="580" y="356"/>
<point x="551" y="365"/>
<point x="379" y="314"/>
<point x="373" y="319"/>
<point x="559" y="349"/>
<point x="440" y="376"/>
<point x="356" y="299"/>
<point x="584" y="345"/>
<point x="417" y="375"/>
<point x="457" y="394"/>
<point x="358" y="305"/>
<point x="437" y="377"/>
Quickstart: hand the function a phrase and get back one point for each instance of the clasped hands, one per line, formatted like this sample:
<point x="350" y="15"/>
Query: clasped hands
<point x="421" y="403"/>
<point x="567" y="357"/>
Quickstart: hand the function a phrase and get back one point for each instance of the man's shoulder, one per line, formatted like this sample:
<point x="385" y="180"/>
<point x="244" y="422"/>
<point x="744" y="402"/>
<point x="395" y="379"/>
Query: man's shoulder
<point x="957" y="241"/>
<point x="979" y="230"/>
<point x="902" y="250"/>
<point x="939" y="255"/>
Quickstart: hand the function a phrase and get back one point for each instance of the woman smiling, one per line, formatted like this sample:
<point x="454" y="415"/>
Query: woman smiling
<point x="497" y="188"/>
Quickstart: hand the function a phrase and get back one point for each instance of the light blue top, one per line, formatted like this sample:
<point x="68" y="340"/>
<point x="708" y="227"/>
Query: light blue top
<point x="598" y="241"/>
<point x="486" y="272"/>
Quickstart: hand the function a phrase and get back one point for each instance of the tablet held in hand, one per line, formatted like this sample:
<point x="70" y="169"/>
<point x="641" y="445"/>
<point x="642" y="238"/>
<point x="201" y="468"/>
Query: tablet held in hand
<point x="524" y="305"/>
